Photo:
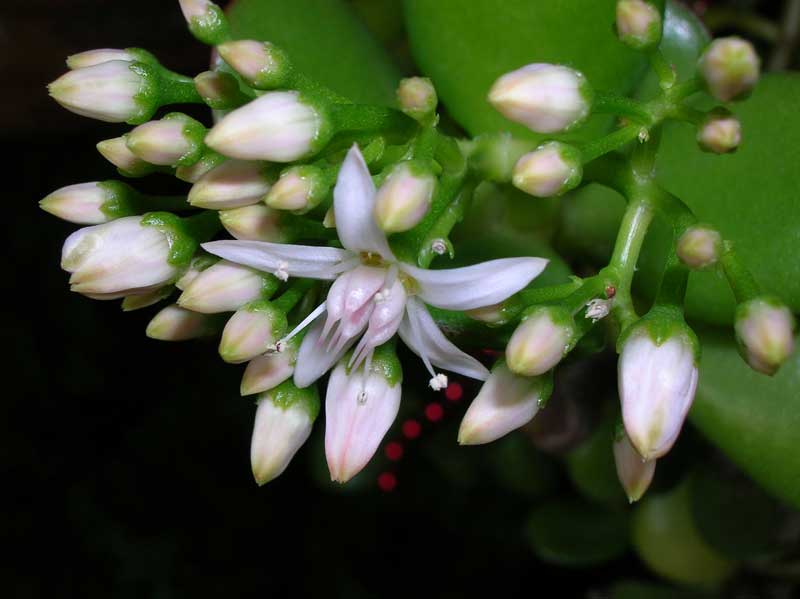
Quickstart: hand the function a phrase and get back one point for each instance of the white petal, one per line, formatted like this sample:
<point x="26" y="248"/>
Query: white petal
<point x="306" y="261"/>
<point x="475" y="286"/>
<point x="354" y="205"/>
<point x="431" y="343"/>
<point x="314" y="359"/>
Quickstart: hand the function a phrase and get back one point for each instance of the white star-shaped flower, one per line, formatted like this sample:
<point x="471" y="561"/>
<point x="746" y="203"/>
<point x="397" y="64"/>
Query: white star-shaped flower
<point x="374" y="295"/>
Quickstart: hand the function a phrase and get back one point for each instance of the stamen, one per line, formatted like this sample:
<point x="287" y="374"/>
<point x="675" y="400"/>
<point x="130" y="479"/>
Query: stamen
<point x="598" y="309"/>
<point x="280" y="345"/>
<point x="438" y="382"/>
<point x="282" y="272"/>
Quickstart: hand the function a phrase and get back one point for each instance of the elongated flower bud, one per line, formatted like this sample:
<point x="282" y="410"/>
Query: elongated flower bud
<point x="417" y="98"/>
<point x="721" y="133"/>
<point x="634" y="472"/>
<point x="232" y="184"/>
<point x="270" y="369"/>
<point x="256" y="223"/>
<point x="128" y="164"/>
<point x="115" y="92"/>
<point x="299" y="189"/>
<point x="261" y="64"/>
<point x="546" y="98"/>
<point x="91" y="203"/>
<point x="765" y="332"/>
<point x="360" y="406"/>
<point x="251" y="331"/>
<point x="123" y="255"/>
<point x="730" y="68"/>
<point x="699" y="247"/>
<point x="206" y="20"/>
<point x="506" y="402"/>
<point x="657" y="383"/>
<point x="175" y="140"/>
<point x="540" y="342"/>
<point x="550" y="170"/>
<point x="283" y="424"/>
<point x="404" y="198"/>
<point x="638" y="24"/>
<point x="91" y="58"/>
<point x="278" y="127"/>
<point x="226" y="287"/>
<point x="174" y="323"/>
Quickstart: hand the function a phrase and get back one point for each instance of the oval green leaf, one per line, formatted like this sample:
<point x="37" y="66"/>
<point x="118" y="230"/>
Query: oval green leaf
<point x="325" y="41"/>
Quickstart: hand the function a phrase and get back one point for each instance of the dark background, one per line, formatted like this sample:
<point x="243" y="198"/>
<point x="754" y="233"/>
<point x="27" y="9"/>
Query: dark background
<point x="125" y="461"/>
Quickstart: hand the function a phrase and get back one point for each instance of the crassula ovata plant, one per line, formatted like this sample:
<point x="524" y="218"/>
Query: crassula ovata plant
<point x="307" y="237"/>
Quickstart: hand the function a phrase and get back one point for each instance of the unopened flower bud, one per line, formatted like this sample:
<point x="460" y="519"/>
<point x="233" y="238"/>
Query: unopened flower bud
<point x="232" y="184"/>
<point x="506" y="402"/>
<point x="634" y="472"/>
<point x="657" y="382"/>
<point x="283" y="424"/>
<point x="638" y="24"/>
<point x="174" y="323"/>
<point x="123" y="255"/>
<point x="730" y="67"/>
<point x="255" y="223"/>
<point x="417" y="98"/>
<point x="765" y="332"/>
<point x="219" y="90"/>
<point x="198" y="264"/>
<point x="91" y="203"/>
<point x="699" y="247"/>
<point x="278" y="127"/>
<point x="116" y="91"/>
<point x="261" y="64"/>
<point x="360" y="406"/>
<point x="251" y="331"/>
<point x="175" y="140"/>
<point x="206" y="20"/>
<point x="546" y="98"/>
<point x="541" y="340"/>
<point x="117" y="153"/>
<point x="550" y="170"/>
<point x="270" y="369"/>
<point x="299" y="189"/>
<point x="91" y="58"/>
<point x="226" y="287"/>
<point x="720" y="133"/>
<point x="404" y="198"/>
<point x="145" y="300"/>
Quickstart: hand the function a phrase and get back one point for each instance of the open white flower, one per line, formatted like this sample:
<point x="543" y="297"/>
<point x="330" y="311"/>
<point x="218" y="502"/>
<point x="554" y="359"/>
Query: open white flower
<point x="374" y="295"/>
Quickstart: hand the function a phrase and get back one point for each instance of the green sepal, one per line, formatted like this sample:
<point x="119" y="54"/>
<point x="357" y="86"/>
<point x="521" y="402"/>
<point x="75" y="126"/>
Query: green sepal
<point x="277" y="317"/>
<point x="385" y="363"/>
<point x="660" y="324"/>
<point x="122" y="199"/>
<point x="212" y="28"/>
<point x="287" y="395"/>
<point x="149" y="94"/>
<point x="194" y="132"/>
<point x="142" y="55"/>
<point x="184" y="235"/>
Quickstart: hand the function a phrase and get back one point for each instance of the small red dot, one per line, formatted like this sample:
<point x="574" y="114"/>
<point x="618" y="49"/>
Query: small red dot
<point x="412" y="429"/>
<point x="434" y="412"/>
<point x="394" y="450"/>
<point x="387" y="481"/>
<point x="454" y="392"/>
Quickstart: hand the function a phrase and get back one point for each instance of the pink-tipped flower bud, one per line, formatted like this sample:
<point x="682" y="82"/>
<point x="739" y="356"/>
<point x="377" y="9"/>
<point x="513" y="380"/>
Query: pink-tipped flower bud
<point x="278" y="127"/>
<point x="91" y="203"/>
<point x="634" y="472"/>
<point x="404" y="198"/>
<point x="117" y="153"/>
<point x="730" y="68"/>
<point x="699" y="247"/>
<point x="638" y="24"/>
<point x="261" y="64"/>
<point x="232" y="184"/>
<point x="541" y="341"/>
<point x="720" y="133"/>
<point x="546" y="98"/>
<point x="91" y="58"/>
<point x="175" y="140"/>
<point x="270" y="369"/>
<point x="206" y="21"/>
<point x="765" y="333"/>
<point x="657" y="382"/>
<point x="550" y="170"/>
<point x="174" y="323"/>
<point x="219" y="90"/>
<point x="255" y="223"/>
<point x="284" y="418"/>
<point x="505" y="402"/>
<point x="417" y="98"/>
<point x="251" y="331"/>
<point x="226" y="287"/>
<point x="299" y="189"/>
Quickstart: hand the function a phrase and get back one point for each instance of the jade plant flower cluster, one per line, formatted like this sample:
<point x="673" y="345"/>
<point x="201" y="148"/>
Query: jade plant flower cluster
<point x="306" y="237"/>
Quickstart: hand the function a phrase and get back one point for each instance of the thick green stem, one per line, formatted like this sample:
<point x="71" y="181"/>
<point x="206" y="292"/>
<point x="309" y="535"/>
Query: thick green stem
<point x="177" y="89"/>
<point x="663" y="69"/>
<point x="357" y="117"/>
<point x="608" y="103"/>
<point x="613" y="141"/>
<point x="739" y="277"/>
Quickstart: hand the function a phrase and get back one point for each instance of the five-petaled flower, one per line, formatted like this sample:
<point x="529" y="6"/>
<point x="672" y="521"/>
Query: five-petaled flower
<point x="374" y="295"/>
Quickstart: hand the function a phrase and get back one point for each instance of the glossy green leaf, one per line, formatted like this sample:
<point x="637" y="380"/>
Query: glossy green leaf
<point x="666" y="539"/>
<point x="577" y="534"/>
<point x="754" y="418"/>
<point x="325" y="41"/>
<point x="751" y="196"/>
<point x="464" y="46"/>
